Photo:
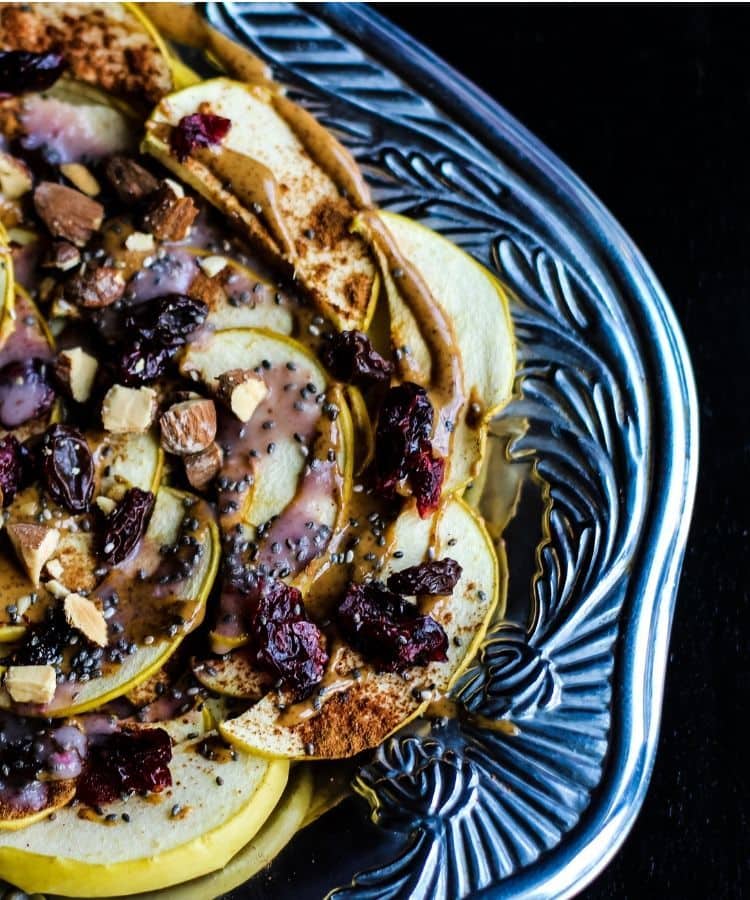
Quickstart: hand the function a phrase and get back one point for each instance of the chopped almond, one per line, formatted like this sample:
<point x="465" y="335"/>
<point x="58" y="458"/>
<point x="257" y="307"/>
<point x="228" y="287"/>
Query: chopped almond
<point x="188" y="427"/>
<point x="212" y="265"/>
<point x="140" y="242"/>
<point x="201" y="468"/>
<point x="15" y="177"/>
<point x="126" y="410"/>
<point x="131" y="181"/>
<point x="76" y="370"/>
<point x="63" y="256"/>
<point x="34" y="545"/>
<point x="54" y="569"/>
<point x="170" y="215"/>
<point x="105" y="504"/>
<point x="81" y="178"/>
<point x="57" y="588"/>
<point x="242" y="390"/>
<point x="95" y="287"/>
<point x="31" y="684"/>
<point x="86" y="616"/>
<point x="68" y="213"/>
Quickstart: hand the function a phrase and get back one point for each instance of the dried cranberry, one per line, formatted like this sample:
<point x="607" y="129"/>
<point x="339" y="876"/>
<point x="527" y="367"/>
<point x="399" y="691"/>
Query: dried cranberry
<point x="197" y="130"/>
<point x="426" y="473"/>
<point x="125" y="525"/>
<point x="10" y="468"/>
<point x="388" y="629"/>
<point x="68" y="467"/>
<point x="22" y="72"/>
<point x="25" y="392"/>
<point x="350" y="357"/>
<point x="141" y="363"/>
<point x="286" y="644"/>
<point x="404" y="425"/>
<point x="438" y="576"/>
<point x="167" y="321"/>
<point x="125" y="762"/>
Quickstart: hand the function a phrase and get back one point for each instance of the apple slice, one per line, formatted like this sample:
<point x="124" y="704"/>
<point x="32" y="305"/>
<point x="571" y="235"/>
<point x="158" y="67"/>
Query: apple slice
<point x="290" y="464"/>
<point x="144" y="607"/>
<point x="278" y="174"/>
<point x="195" y="827"/>
<point x="120" y="461"/>
<point x="277" y="831"/>
<point x="360" y="712"/>
<point x="7" y="282"/>
<point x="476" y="307"/>
<point x="59" y="794"/>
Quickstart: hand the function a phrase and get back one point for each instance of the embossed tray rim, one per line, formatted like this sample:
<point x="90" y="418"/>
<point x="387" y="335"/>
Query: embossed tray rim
<point x="641" y="658"/>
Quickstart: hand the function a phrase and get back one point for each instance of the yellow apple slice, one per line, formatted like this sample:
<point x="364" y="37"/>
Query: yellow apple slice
<point x="359" y="712"/>
<point x="476" y="307"/>
<point x="266" y="176"/>
<point x="146" y="607"/>
<point x="277" y="831"/>
<point x="195" y="827"/>
<point x="120" y="461"/>
<point x="59" y="794"/>
<point x="7" y="292"/>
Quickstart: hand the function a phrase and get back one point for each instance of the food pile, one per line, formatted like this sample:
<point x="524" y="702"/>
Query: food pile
<point x="239" y="406"/>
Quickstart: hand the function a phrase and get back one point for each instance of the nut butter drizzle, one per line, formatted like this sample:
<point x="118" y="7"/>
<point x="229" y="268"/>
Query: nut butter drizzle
<point x="330" y="155"/>
<point x="333" y="682"/>
<point x="446" y="383"/>
<point x="255" y="186"/>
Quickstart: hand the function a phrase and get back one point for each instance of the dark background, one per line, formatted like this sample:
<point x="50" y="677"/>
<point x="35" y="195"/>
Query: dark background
<point x="650" y="106"/>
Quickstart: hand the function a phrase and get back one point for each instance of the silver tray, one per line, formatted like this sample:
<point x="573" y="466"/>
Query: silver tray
<point x="603" y="429"/>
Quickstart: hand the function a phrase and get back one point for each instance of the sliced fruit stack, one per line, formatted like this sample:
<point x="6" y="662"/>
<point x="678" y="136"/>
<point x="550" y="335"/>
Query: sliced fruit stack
<point x="239" y="407"/>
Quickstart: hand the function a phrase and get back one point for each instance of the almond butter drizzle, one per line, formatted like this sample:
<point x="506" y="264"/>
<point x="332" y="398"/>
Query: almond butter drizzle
<point x="331" y="156"/>
<point x="446" y="382"/>
<point x="255" y="186"/>
<point x="331" y="683"/>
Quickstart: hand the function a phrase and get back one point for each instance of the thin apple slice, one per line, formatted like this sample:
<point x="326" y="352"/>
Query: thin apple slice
<point x="147" y="611"/>
<point x="196" y="828"/>
<point x="475" y="306"/>
<point x="120" y="461"/>
<point x="277" y="831"/>
<point x="359" y="712"/>
<point x="264" y="177"/>
<point x="59" y="794"/>
<point x="7" y="282"/>
<point x="289" y="465"/>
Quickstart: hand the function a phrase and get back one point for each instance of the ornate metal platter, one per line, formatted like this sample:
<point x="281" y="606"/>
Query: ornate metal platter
<point x="532" y="790"/>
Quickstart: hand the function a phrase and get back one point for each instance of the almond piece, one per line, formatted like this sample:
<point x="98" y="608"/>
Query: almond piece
<point x="171" y="215"/>
<point x="242" y="390"/>
<point x="31" y="684"/>
<point x="131" y="181"/>
<point x="81" y="178"/>
<point x="76" y="371"/>
<point x="95" y="287"/>
<point x="15" y="177"/>
<point x="63" y="256"/>
<point x="67" y="213"/>
<point x="34" y="545"/>
<point x="105" y="504"/>
<point x="188" y="427"/>
<point x="212" y="265"/>
<point x="201" y="468"/>
<point x="140" y="242"/>
<point x="56" y="588"/>
<point x="54" y="569"/>
<point x="126" y="410"/>
<point x="86" y="616"/>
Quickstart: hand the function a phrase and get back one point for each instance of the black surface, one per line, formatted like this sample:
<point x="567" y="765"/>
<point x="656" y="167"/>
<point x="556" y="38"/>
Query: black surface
<point x="650" y="107"/>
